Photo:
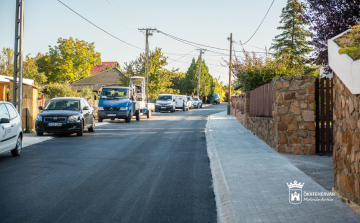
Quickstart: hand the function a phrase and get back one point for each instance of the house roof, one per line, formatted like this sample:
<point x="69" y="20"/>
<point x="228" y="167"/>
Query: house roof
<point x="107" y="77"/>
<point x="98" y="68"/>
<point x="81" y="87"/>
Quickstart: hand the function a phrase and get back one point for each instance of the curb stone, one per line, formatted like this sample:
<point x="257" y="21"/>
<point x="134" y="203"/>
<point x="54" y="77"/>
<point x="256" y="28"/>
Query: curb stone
<point x="224" y="205"/>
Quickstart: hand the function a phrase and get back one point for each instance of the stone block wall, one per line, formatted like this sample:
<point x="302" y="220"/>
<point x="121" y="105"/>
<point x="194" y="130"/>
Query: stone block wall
<point x="262" y="127"/>
<point x="293" y="112"/>
<point x="346" y="150"/>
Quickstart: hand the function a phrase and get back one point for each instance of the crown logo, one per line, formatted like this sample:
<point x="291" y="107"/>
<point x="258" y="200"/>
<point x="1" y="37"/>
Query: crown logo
<point x="295" y="184"/>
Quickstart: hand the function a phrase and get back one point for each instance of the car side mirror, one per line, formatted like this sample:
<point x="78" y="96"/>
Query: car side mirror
<point x="174" y="100"/>
<point x="86" y="108"/>
<point x="4" y="120"/>
<point x="40" y="108"/>
<point x="95" y="97"/>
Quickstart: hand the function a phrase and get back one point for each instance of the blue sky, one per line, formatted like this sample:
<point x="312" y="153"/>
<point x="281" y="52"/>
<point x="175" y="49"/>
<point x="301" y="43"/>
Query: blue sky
<point x="205" y="22"/>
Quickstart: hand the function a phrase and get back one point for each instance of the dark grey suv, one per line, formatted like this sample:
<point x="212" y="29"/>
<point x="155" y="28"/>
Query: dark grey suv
<point x="215" y="98"/>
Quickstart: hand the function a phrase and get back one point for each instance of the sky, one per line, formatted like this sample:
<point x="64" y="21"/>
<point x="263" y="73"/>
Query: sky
<point x="204" y="22"/>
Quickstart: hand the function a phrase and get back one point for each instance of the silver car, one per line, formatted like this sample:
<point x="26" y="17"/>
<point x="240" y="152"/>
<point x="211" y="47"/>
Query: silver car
<point x="10" y="129"/>
<point x="197" y="103"/>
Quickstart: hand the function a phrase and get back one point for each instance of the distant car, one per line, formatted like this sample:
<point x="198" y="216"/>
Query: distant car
<point x="66" y="115"/>
<point x="181" y="102"/>
<point x="189" y="101"/>
<point x="165" y="102"/>
<point x="215" y="98"/>
<point x="10" y="129"/>
<point x="197" y="102"/>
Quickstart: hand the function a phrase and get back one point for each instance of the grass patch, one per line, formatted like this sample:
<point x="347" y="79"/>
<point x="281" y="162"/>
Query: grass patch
<point x="349" y="43"/>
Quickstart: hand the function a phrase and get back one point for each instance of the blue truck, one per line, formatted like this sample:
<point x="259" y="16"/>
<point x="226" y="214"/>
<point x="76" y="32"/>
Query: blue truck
<point x="117" y="103"/>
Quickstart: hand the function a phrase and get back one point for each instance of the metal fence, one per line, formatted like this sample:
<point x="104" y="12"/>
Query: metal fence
<point x="261" y="101"/>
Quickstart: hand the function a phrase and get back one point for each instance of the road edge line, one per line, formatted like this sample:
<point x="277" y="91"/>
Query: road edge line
<point x="224" y="205"/>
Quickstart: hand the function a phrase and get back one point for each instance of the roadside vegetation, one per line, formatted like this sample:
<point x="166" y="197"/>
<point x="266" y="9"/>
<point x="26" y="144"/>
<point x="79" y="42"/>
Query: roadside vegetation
<point x="350" y="43"/>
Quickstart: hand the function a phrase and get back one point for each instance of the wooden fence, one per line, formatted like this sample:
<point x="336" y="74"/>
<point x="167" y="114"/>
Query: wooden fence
<point x="323" y="114"/>
<point x="261" y="101"/>
<point x="238" y="103"/>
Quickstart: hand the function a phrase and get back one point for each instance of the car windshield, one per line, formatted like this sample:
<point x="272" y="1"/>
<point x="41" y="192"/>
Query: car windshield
<point x="114" y="93"/>
<point x="189" y="98"/>
<point x="195" y="99"/>
<point x="215" y="95"/>
<point x="63" y="105"/>
<point x="165" y="98"/>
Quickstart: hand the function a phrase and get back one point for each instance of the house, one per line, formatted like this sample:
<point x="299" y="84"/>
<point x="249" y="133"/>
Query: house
<point x="97" y="81"/>
<point x="101" y="67"/>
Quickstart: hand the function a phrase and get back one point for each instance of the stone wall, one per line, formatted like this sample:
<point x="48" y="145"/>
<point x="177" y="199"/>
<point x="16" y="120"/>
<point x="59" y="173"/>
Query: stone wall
<point x="291" y="129"/>
<point x="262" y="127"/>
<point x="293" y="112"/>
<point x="346" y="152"/>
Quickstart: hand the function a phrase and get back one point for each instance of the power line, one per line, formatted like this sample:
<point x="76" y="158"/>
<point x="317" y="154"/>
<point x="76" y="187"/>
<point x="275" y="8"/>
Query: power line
<point x="99" y="27"/>
<point x="260" y="24"/>
<point x="181" y="57"/>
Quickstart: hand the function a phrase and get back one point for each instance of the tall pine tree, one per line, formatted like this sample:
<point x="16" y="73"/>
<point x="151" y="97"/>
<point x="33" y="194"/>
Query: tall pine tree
<point x="293" y="39"/>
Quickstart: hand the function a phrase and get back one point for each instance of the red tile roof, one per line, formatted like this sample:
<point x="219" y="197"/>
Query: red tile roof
<point x="98" y="68"/>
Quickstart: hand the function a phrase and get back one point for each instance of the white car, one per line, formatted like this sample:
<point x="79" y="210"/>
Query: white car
<point x="181" y="102"/>
<point x="197" y="102"/>
<point x="10" y="129"/>
<point x="189" y="101"/>
<point x="165" y="102"/>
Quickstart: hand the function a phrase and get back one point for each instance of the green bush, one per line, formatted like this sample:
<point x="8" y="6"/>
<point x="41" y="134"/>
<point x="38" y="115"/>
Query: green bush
<point x="59" y="90"/>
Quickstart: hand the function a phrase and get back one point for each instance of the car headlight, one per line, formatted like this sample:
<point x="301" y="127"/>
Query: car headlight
<point x="39" y="118"/>
<point x="123" y="108"/>
<point x="73" y="118"/>
<point x="100" y="108"/>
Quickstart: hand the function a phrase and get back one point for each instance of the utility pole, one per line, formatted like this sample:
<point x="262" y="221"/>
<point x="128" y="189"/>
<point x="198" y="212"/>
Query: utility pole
<point x="198" y="87"/>
<point x="229" y="96"/>
<point x="18" y="55"/>
<point x="148" y="33"/>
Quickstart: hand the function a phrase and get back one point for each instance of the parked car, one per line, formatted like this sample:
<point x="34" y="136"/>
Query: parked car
<point x="214" y="99"/>
<point x="165" y="102"/>
<point x="66" y="115"/>
<point x="189" y="101"/>
<point x="10" y="129"/>
<point x="197" y="102"/>
<point x="116" y="102"/>
<point x="181" y="102"/>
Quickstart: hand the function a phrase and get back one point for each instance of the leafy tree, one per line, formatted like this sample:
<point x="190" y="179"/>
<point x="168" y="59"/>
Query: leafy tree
<point x="292" y="41"/>
<point x="253" y="71"/>
<point x="30" y="70"/>
<point x="328" y="19"/>
<point x="106" y="68"/>
<point x="191" y="79"/>
<point x="218" y="88"/>
<point x="7" y="62"/>
<point x="87" y="93"/>
<point x="59" y="90"/>
<point x="70" y="60"/>
<point x="160" y="79"/>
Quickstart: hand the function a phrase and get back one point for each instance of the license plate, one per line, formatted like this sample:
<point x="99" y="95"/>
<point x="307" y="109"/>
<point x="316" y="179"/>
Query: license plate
<point x="111" y="114"/>
<point x="163" y="107"/>
<point x="54" y="124"/>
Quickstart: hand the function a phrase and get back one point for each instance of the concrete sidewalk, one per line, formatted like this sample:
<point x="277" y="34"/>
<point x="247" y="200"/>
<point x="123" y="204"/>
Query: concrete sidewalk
<point x="250" y="180"/>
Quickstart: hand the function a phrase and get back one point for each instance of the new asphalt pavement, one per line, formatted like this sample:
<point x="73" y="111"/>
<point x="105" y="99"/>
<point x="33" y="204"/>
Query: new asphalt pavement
<point x="154" y="170"/>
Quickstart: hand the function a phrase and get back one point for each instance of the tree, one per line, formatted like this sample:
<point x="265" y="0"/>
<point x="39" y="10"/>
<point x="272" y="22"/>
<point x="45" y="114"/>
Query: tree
<point x="218" y="88"/>
<point x="7" y="62"/>
<point x="160" y="79"/>
<point x="87" y="93"/>
<point x="328" y="19"/>
<point x="69" y="61"/>
<point x="30" y="70"/>
<point x="59" y="90"/>
<point x="253" y="71"/>
<point x="191" y="79"/>
<point x="292" y="41"/>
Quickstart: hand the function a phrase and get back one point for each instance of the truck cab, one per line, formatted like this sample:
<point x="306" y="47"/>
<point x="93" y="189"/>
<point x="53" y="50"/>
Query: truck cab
<point x="116" y="103"/>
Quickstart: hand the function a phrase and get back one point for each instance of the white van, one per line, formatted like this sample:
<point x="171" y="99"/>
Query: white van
<point x="10" y="129"/>
<point x="181" y="102"/>
<point x="165" y="102"/>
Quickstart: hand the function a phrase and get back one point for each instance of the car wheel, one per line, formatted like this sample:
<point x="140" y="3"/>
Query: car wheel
<point x="128" y="119"/>
<point x="137" y="115"/>
<point x="39" y="133"/>
<point x="92" y="128"/>
<point x="17" y="150"/>
<point x="100" y="120"/>
<point x="81" y="132"/>
<point x="201" y="106"/>
<point x="112" y="119"/>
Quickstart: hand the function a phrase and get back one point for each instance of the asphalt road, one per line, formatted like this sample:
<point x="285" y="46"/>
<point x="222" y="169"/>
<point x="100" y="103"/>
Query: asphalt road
<point x="155" y="170"/>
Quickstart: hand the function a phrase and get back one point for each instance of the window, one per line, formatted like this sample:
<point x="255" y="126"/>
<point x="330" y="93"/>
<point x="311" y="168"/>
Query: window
<point x="114" y="93"/>
<point x="165" y="98"/>
<point x="63" y="105"/>
<point x="12" y="111"/>
<point x="4" y="112"/>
